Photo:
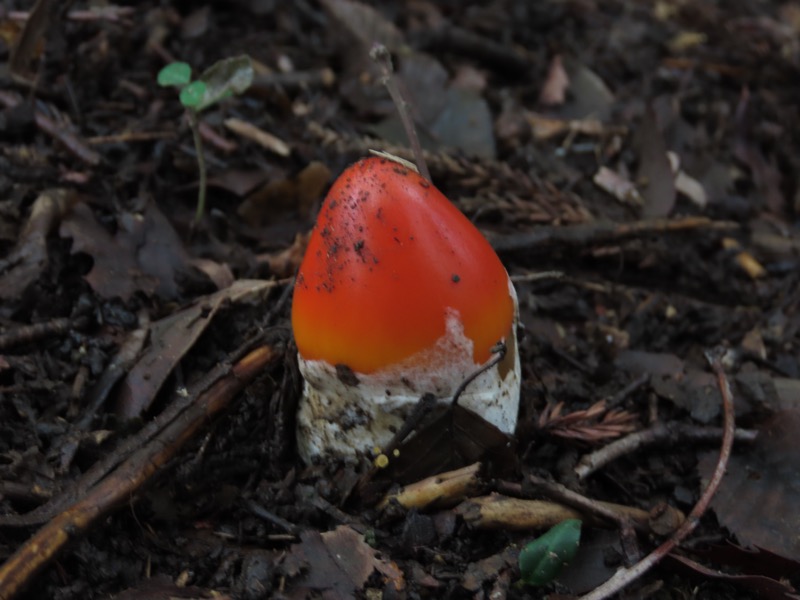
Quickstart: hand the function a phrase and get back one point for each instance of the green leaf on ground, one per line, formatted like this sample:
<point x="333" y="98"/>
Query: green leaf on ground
<point x="223" y="79"/>
<point x="192" y="95"/>
<point x="541" y="561"/>
<point x="175" y="74"/>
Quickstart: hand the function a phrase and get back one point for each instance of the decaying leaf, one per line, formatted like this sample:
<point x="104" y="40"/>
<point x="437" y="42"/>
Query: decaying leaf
<point x="554" y="90"/>
<point x="145" y="255"/>
<point x="29" y="258"/>
<point x="484" y="571"/>
<point x="171" y="338"/>
<point x="761" y="586"/>
<point x="589" y="96"/>
<point x="222" y="79"/>
<point x="286" y="262"/>
<point x="335" y="564"/>
<point x="618" y="186"/>
<point x="454" y="438"/>
<point x="289" y="194"/>
<point x="688" y="387"/>
<point x="759" y="495"/>
<point x="365" y="24"/>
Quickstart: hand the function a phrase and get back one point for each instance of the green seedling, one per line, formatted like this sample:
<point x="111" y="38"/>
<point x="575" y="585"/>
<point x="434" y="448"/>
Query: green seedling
<point x="222" y="80"/>
<point x="541" y="561"/>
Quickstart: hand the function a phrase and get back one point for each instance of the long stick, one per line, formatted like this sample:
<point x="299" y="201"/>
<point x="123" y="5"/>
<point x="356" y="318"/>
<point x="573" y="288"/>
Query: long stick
<point x="625" y="575"/>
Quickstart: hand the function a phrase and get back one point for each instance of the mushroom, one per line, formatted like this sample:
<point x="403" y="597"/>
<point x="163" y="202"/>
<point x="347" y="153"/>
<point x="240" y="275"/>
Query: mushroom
<point x="398" y="295"/>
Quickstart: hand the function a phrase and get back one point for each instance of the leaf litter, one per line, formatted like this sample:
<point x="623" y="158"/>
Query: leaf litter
<point x="530" y="113"/>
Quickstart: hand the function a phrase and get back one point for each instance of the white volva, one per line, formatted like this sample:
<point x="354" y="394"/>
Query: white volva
<point x="353" y="414"/>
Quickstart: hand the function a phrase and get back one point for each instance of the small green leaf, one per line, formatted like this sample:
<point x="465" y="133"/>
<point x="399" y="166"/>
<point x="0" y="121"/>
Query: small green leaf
<point x="175" y="74"/>
<point x="192" y="95"/>
<point x="225" y="78"/>
<point x="542" y="560"/>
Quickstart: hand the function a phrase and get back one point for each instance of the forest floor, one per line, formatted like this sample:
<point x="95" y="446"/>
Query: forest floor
<point x="634" y="164"/>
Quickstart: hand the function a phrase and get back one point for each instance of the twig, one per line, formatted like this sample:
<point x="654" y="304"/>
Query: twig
<point x="519" y="514"/>
<point x="255" y="134"/>
<point x="626" y="525"/>
<point x="29" y="492"/>
<point x="223" y="144"/>
<point x="629" y="389"/>
<point x="625" y="575"/>
<point x="557" y="491"/>
<point x="129" y="136"/>
<point x="111" y="13"/>
<point x="594" y="233"/>
<point x="261" y="512"/>
<point x="444" y="489"/>
<point x="71" y="141"/>
<point x="26" y="334"/>
<point x="380" y="54"/>
<point x="201" y="164"/>
<point x="501" y="57"/>
<point x="296" y="79"/>
<point x="499" y="351"/>
<point x="537" y="276"/>
<point x="657" y="434"/>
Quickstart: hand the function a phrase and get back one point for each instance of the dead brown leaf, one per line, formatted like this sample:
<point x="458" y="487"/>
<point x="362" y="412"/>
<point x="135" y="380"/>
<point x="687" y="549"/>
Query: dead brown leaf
<point x="365" y="24"/>
<point x="336" y="564"/>
<point x="554" y="91"/>
<point x="171" y="338"/>
<point x="759" y="495"/>
<point x="285" y="263"/>
<point x="298" y="193"/>
<point x="145" y="254"/>
<point x="29" y="258"/>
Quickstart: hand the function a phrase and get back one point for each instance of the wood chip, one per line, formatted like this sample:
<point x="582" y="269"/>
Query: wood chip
<point x="259" y="136"/>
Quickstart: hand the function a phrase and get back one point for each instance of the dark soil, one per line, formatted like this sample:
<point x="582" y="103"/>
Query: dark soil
<point x="103" y="362"/>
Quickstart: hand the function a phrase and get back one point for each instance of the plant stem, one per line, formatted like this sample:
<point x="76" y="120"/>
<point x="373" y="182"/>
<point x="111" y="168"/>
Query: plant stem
<point x="380" y="54"/>
<point x="201" y="165"/>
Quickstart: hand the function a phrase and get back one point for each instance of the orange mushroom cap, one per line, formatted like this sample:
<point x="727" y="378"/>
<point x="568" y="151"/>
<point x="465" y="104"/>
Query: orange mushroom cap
<point x="389" y="259"/>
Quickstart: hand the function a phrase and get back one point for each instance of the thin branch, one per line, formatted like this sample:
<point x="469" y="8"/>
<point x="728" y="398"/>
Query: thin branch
<point x="657" y="434"/>
<point x="201" y="164"/>
<point x="625" y="576"/>
<point x="380" y="54"/>
<point x="69" y="139"/>
<point x="627" y="526"/>
<point x="499" y="350"/>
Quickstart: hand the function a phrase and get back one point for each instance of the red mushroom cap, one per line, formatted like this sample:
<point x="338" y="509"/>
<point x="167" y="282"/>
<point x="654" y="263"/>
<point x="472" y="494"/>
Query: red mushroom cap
<point x="389" y="259"/>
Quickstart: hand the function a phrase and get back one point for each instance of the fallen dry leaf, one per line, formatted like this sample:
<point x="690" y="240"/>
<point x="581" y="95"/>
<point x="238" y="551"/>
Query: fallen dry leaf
<point x="761" y="586"/>
<point x="285" y="263"/>
<point x="589" y="95"/>
<point x="171" y="338"/>
<point x="299" y="193"/>
<point x="758" y="498"/>
<point x="29" y="258"/>
<point x="365" y="24"/>
<point x="554" y="91"/>
<point x="335" y="564"/>
<point x="618" y="186"/>
<point x="145" y="254"/>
